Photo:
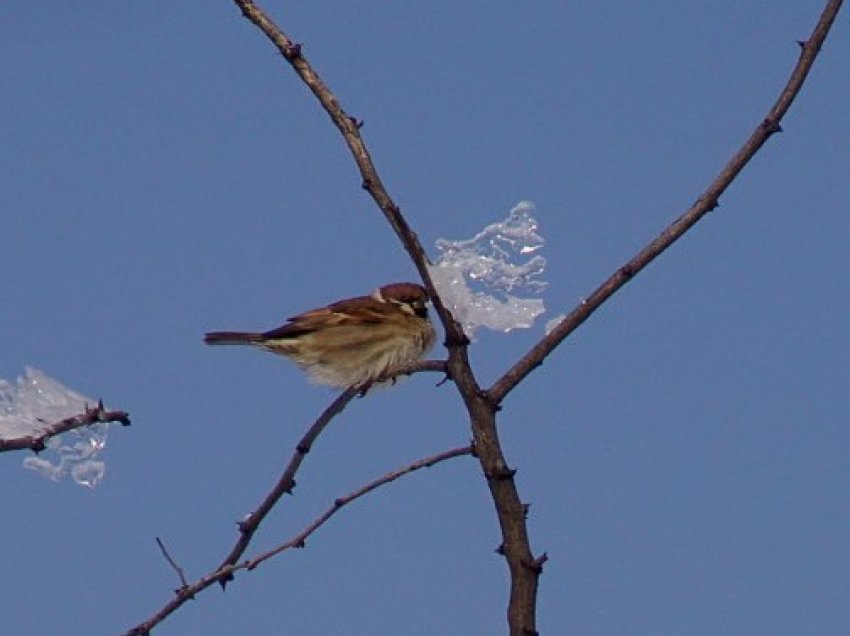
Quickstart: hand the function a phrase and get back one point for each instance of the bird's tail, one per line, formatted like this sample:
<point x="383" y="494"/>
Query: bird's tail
<point x="233" y="338"/>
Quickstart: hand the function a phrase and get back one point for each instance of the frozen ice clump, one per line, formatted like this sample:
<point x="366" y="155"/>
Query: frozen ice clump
<point x="480" y="278"/>
<point x="554" y="322"/>
<point x="35" y="401"/>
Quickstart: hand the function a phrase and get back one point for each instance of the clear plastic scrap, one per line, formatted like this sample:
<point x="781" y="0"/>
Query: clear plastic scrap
<point x="480" y="278"/>
<point x="35" y="401"/>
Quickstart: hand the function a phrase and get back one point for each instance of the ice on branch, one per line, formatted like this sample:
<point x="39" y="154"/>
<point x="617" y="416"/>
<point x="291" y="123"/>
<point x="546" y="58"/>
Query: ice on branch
<point x="480" y="279"/>
<point x="34" y="402"/>
<point x="551" y="324"/>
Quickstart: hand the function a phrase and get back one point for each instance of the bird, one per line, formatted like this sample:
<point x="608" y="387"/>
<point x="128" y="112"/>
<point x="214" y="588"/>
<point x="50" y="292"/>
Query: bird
<point x="351" y="343"/>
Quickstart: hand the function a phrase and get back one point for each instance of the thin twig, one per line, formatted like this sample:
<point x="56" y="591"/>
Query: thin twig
<point x="707" y="201"/>
<point x="224" y="573"/>
<point x="180" y="573"/>
<point x="94" y="415"/>
<point x="300" y="539"/>
<point x="249" y="525"/>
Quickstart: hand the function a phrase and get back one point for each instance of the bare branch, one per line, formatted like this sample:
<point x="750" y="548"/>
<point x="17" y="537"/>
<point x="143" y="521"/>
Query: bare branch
<point x="225" y="572"/>
<point x="180" y="573"/>
<point x="350" y="128"/>
<point x="299" y="540"/>
<point x="707" y="201"/>
<point x="36" y="443"/>
<point x="249" y="525"/>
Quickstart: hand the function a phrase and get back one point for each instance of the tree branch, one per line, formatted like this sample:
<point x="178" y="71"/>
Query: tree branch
<point x="36" y="443"/>
<point x="299" y="540"/>
<point x="706" y="202"/>
<point x="225" y="572"/>
<point x="350" y="128"/>
<point x="249" y="525"/>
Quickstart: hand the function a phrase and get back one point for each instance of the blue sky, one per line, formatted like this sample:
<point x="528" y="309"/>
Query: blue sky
<point x="685" y="453"/>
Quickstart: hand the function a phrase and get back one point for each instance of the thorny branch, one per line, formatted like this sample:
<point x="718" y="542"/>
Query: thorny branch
<point x="225" y="572"/>
<point x="248" y="526"/>
<point x="299" y="540"/>
<point x="350" y="128"/>
<point x="706" y="202"/>
<point x="93" y="415"/>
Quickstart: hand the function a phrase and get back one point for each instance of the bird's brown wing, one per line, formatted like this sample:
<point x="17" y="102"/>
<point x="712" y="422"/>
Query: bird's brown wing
<point x="360" y="310"/>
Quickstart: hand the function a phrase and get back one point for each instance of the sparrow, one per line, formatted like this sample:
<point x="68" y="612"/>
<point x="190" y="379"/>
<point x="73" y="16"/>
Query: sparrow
<point x="353" y="342"/>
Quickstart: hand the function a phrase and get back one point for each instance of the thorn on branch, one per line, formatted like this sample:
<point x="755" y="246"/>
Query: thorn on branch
<point x="771" y="126"/>
<point x="500" y="549"/>
<point x="357" y="123"/>
<point x="502" y="472"/>
<point x="525" y="509"/>
<point x="293" y="51"/>
<point x="367" y="184"/>
<point x="802" y="44"/>
<point x="225" y="579"/>
<point x="100" y="414"/>
<point x="627" y="270"/>
<point x="536" y="566"/>
<point x="244" y="525"/>
<point x="461" y="340"/>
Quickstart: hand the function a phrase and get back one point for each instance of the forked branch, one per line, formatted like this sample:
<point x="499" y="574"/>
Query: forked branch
<point x="224" y="573"/>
